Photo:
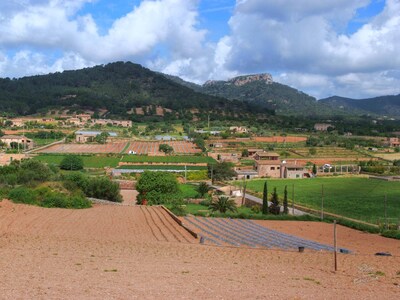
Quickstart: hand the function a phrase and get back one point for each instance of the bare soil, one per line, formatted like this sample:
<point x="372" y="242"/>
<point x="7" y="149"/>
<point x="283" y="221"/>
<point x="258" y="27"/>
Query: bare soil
<point x="131" y="252"/>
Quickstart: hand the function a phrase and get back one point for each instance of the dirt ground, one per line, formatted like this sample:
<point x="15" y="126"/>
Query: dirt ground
<point x="112" y="252"/>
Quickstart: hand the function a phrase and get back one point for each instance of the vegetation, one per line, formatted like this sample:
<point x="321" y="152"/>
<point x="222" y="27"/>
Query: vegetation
<point x="265" y="199"/>
<point x="221" y="171"/>
<point x="274" y="208"/>
<point x="102" y="138"/>
<point x="167" y="149"/>
<point x="99" y="187"/>
<point x="157" y="188"/>
<point x="46" y="197"/>
<point x="72" y="163"/>
<point x="203" y="189"/>
<point x="117" y="87"/>
<point x="353" y="197"/>
<point x="223" y="204"/>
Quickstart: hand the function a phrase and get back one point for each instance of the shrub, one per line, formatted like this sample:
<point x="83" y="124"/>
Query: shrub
<point x="71" y="162"/>
<point x="22" y="195"/>
<point x="223" y="204"/>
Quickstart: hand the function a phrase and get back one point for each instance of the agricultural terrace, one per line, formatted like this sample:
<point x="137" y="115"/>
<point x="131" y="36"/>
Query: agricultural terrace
<point x="353" y="197"/>
<point x="101" y="161"/>
<point x="140" y="147"/>
<point x="327" y="152"/>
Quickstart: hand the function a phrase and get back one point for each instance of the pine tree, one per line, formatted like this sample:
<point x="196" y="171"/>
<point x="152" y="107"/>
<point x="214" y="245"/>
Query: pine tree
<point x="274" y="208"/>
<point x="265" y="199"/>
<point x="314" y="169"/>
<point x="285" y="201"/>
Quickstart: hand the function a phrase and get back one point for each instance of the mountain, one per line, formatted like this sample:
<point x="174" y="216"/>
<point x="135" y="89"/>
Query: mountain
<point x="260" y="89"/>
<point x="383" y="106"/>
<point x="118" y="88"/>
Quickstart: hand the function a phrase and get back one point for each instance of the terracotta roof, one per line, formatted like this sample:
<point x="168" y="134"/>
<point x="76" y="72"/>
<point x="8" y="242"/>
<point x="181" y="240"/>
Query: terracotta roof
<point x="268" y="162"/>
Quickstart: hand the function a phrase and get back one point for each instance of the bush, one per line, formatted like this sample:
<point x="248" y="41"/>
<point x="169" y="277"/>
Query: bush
<point x="71" y="162"/>
<point x="393" y="234"/>
<point x="22" y="195"/>
<point x="256" y="209"/>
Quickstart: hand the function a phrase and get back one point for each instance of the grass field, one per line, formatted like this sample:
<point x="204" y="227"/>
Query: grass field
<point x="353" y="197"/>
<point x="101" y="161"/>
<point x="188" y="190"/>
<point x="162" y="167"/>
<point x="90" y="161"/>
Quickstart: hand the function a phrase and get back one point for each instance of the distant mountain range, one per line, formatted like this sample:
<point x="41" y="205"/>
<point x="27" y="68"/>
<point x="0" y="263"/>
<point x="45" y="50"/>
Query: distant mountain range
<point x="122" y="88"/>
<point x="285" y="100"/>
<point x="384" y="106"/>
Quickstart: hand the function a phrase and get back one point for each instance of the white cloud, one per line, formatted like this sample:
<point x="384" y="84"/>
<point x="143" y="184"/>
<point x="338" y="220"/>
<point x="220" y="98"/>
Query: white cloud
<point x="303" y="42"/>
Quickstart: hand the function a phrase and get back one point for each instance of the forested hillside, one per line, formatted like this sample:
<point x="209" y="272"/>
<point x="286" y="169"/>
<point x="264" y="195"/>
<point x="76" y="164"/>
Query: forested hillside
<point x="117" y="87"/>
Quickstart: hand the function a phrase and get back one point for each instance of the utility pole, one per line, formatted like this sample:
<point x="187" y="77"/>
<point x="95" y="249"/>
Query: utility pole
<point x="322" y="203"/>
<point x="244" y="191"/>
<point x="208" y="122"/>
<point x="334" y="244"/>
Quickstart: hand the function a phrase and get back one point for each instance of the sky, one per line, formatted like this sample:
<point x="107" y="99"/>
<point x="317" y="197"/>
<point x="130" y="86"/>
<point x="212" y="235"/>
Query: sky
<point x="349" y="48"/>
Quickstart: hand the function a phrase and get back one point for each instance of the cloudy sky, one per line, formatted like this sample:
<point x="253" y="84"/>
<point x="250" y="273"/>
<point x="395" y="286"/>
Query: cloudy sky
<point x="332" y="47"/>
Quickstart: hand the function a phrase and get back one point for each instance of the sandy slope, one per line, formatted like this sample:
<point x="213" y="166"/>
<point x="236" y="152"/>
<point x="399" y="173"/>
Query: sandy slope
<point x="110" y="252"/>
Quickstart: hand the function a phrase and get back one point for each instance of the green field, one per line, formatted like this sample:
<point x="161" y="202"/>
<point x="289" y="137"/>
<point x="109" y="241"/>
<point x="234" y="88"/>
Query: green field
<point x="354" y="197"/>
<point x="101" y="161"/>
<point x="91" y="161"/>
<point x="167" y="159"/>
<point x="162" y="167"/>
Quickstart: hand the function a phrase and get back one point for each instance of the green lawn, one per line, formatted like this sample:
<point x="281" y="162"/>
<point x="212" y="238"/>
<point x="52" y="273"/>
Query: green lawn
<point x="167" y="159"/>
<point x="188" y="190"/>
<point x="354" y="197"/>
<point x="92" y="161"/>
<point x="163" y="167"/>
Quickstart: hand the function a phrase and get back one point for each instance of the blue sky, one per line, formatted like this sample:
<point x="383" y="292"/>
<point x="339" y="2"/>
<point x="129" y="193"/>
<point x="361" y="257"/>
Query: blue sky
<point x="324" y="48"/>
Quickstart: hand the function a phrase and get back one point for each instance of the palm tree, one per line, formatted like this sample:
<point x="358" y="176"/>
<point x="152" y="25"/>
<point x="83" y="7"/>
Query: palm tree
<point x="203" y="189"/>
<point x="223" y="204"/>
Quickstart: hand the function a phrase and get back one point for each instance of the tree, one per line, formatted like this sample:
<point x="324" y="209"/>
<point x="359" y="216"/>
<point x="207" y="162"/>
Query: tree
<point x="265" y="199"/>
<point x="1" y="133"/>
<point x="274" y="208"/>
<point x="245" y="153"/>
<point x="285" y="201"/>
<point x="157" y="188"/>
<point x="167" y="149"/>
<point x="221" y="171"/>
<point x="102" y="137"/>
<point x="312" y="151"/>
<point x="71" y="162"/>
<point x="314" y="169"/>
<point x="223" y="204"/>
<point x="203" y="189"/>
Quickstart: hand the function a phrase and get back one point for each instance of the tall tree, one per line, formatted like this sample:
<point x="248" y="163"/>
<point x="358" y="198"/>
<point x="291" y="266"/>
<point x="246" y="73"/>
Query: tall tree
<point x="285" y="201"/>
<point x="265" y="199"/>
<point x="274" y="207"/>
<point x="314" y="169"/>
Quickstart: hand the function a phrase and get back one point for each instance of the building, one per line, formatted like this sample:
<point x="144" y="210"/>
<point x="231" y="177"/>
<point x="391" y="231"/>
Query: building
<point x="393" y="142"/>
<point x="266" y="156"/>
<point x="292" y="170"/>
<point x="238" y="129"/>
<point x="246" y="174"/>
<point x="21" y="140"/>
<point x="84" y="117"/>
<point x="268" y="168"/>
<point x="82" y="136"/>
<point x="253" y="151"/>
<point x="323" y="126"/>
<point x="104" y="122"/>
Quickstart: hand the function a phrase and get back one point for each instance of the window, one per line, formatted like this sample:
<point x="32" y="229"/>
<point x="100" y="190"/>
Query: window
<point x="272" y="168"/>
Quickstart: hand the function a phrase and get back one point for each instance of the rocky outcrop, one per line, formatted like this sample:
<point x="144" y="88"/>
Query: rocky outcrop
<point x="242" y="80"/>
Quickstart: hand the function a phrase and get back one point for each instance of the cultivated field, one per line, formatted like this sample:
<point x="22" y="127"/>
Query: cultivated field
<point x="151" y="148"/>
<point x="120" y="252"/>
<point x="140" y="147"/>
<point x="85" y="148"/>
<point x="353" y="197"/>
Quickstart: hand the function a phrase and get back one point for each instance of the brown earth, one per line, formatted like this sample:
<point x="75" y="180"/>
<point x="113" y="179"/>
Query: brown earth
<point x="119" y="252"/>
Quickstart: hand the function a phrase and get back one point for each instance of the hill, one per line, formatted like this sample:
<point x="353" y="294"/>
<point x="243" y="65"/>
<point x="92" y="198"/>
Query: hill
<point x="261" y="90"/>
<point x="118" y="88"/>
<point x="384" y="105"/>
